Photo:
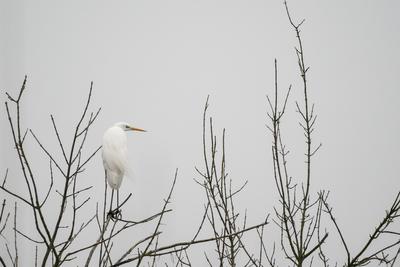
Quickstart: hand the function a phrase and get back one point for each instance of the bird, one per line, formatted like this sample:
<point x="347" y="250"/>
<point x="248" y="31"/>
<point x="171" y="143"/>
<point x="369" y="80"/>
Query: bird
<point x="114" y="155"/>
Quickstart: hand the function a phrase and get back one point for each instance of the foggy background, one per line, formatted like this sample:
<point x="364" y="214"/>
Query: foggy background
<point x="153" y="63"/>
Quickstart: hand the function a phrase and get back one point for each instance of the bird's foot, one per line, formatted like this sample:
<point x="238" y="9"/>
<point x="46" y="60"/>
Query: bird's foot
<point x="115" y="214"/>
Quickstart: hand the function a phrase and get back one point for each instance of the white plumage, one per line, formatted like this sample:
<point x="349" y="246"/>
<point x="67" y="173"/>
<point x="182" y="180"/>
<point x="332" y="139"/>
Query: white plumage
<point x="115" y="152"/>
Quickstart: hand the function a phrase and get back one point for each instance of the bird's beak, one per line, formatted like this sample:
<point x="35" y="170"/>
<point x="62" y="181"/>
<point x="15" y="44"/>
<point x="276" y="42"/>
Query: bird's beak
<point x="137" y="129"/>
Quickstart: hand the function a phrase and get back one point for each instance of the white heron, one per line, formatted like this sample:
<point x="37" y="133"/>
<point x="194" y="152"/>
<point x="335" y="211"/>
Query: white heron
<point x="114" y="154"/>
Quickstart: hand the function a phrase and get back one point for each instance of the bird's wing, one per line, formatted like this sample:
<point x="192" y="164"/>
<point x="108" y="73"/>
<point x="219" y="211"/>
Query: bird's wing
<point x="114" y="159"/>
<point x="114" y="154"/>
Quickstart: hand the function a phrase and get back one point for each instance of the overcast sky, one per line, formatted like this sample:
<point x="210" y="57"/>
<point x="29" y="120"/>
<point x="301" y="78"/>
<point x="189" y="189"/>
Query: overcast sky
<point x="153" y="63"/>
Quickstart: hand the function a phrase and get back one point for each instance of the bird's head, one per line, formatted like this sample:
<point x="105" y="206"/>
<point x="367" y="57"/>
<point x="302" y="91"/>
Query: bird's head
<point x="126" y="127"/>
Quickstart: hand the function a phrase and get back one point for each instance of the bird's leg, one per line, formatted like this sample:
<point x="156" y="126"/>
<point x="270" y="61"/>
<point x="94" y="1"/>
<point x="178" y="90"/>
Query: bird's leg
<point x="110" y="213"/>
<point x="118" y="211"/>
<point x="112" y="198"/>
<point x="118" y="198"/>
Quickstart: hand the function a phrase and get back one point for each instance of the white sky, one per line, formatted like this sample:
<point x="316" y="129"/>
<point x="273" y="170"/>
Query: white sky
<point x="153" y="64"/>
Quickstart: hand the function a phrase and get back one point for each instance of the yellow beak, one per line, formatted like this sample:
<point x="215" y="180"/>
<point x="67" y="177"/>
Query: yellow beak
<point x="137" y="129"/>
